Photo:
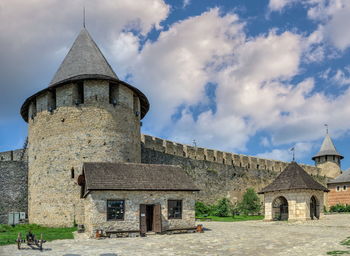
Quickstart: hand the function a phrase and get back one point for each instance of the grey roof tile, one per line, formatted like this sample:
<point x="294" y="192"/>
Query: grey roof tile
<point x="293" y="177"/>
<point x="134" y="176"/>
<point x="342" y="178"/>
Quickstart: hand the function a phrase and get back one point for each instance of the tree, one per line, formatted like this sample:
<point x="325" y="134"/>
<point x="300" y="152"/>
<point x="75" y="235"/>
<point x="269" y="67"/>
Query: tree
<point x="223" y="208"/>
<point x="202" y="210"/>
<point x="250" y="203"/>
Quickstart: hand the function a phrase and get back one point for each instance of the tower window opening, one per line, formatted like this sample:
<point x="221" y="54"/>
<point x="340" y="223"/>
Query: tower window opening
<point x="80" y="99"/>
<point x="344" y="187"/>
<point x="52" y="101"/>
<point x="333" y="158"/>
<point x="72" y="173"/>
<point x="113" y="94"/>
<point x="257" y="166"/>
<point x="136" y="105"/>
<point x="338" y="188"/>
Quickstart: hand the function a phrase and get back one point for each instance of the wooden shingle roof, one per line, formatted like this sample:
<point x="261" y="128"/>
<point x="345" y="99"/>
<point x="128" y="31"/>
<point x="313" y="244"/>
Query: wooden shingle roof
<point x="135" y="176"/>
<point x="293" y="177"/>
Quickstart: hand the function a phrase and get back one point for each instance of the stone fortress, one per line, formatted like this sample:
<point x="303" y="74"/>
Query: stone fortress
<point x="88" y="115"/>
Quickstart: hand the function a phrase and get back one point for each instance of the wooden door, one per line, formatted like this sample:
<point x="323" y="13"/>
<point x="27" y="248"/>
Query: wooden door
<point x="157" y="218"/>
<point x="143" y="222"/>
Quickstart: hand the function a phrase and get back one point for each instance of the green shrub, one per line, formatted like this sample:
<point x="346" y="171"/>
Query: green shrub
<point x="223" y="208"/>
<point x="340" y="208"/>
<point x="202" y="210"/>
<point x="250" y="203"/>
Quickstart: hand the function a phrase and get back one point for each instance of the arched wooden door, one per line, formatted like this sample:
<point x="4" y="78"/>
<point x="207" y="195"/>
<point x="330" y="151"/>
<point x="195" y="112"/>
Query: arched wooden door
<point x="314" y="208"/>
<point x="280" y="208"/>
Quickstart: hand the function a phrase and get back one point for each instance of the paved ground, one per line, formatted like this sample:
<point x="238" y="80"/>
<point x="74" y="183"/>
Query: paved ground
<point x="234" y="238"/>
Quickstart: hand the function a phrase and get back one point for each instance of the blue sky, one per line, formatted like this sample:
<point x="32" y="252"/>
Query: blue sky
<point x="251" y="77"/>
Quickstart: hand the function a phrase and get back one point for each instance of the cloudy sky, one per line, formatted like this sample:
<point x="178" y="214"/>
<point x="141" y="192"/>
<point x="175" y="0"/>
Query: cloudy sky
<point x="252" y="77"/>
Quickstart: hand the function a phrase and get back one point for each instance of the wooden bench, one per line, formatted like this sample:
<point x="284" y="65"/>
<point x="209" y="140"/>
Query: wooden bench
<point x="122" y="233"/>
<point x="180" y="230"/>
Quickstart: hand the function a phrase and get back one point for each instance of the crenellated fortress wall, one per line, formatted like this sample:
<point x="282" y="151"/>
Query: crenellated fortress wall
<point x="225" y="158"/>
<point x="218" y="174"/>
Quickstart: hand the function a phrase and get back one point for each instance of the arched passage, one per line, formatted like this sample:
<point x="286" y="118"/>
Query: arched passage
<point x="314" y="208"/>
<point x="280" y="208"/>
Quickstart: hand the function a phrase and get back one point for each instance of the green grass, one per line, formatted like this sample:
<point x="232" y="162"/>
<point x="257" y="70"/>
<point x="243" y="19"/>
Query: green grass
<point x="8" y="234"/>
<point x="338" y="252"/>
<point x="345" y="242"/>
<point x="232" y="219"/>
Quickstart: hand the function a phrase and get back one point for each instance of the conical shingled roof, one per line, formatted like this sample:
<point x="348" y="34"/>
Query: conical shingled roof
<point x="293" y="177"/>
<point x="327" y="149"/>
<point x="83" y="59"/>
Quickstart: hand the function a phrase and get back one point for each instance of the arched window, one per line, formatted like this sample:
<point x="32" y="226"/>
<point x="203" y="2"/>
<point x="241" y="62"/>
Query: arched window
<point x="280" y="208"/>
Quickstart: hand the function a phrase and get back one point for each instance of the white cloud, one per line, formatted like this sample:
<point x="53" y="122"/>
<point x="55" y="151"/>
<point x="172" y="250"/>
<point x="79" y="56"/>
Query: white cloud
<point x="341" y="78"/>
<point x="34" y="38"/>
<point x="334" y="16"/>
<point x="265" y="142"/>
<point x="174" y="70"/>
<point x="301" y="149"/>
<point x="186" y="3"/>
<point x="278" y="5"/>
<point x="252" y="75"/>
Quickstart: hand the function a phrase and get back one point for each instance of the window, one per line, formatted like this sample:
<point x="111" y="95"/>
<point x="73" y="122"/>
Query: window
<point x="174" y="209"/>
<point x="344" y="187"/>
<point x="338" y="188"/>
<point x="115" y="209"/>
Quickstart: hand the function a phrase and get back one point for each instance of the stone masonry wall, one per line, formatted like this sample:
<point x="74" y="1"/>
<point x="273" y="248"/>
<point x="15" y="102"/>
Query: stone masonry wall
<point x="218" y="174"/>
<point x="13" y="186"/>
<point x="215" y="180"/>
<point x="96" y="209"/>
<point x="298" y="203"/>
<point x="79" y="130"/>
<point x="197" y="153"/>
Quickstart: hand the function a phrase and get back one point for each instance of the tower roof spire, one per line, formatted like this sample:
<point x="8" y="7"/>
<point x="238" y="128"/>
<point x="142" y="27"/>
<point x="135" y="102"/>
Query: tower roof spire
<point x="84" y="16"/>
<point x="84" y="60"/>
<point x="327" y="148"/>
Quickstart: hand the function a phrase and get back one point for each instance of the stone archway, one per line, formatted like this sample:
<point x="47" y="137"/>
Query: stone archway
<point x="314" y="208"/>
<point x="280" y="208"/>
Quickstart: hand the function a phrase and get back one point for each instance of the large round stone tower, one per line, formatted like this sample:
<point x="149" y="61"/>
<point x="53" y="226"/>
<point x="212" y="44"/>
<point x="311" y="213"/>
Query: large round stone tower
<point x="328" y="159"/>
<point x="85" y="115"/>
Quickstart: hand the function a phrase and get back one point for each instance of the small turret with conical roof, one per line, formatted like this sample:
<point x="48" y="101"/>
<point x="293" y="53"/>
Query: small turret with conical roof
<point x="328" y="158"/>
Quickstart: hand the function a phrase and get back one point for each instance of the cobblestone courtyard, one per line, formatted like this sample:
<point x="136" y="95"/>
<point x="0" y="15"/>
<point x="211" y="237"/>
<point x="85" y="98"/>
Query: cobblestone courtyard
<point x="233" y="238"/>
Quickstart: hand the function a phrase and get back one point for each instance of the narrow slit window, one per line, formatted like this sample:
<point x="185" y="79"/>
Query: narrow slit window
<point x="80" y="99"/>
<point x="72" y="173"/>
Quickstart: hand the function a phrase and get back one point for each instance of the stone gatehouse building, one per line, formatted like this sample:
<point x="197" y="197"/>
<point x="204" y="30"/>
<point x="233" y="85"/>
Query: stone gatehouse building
<point x="294" y="195"/>
<point x="88" y="115"/>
